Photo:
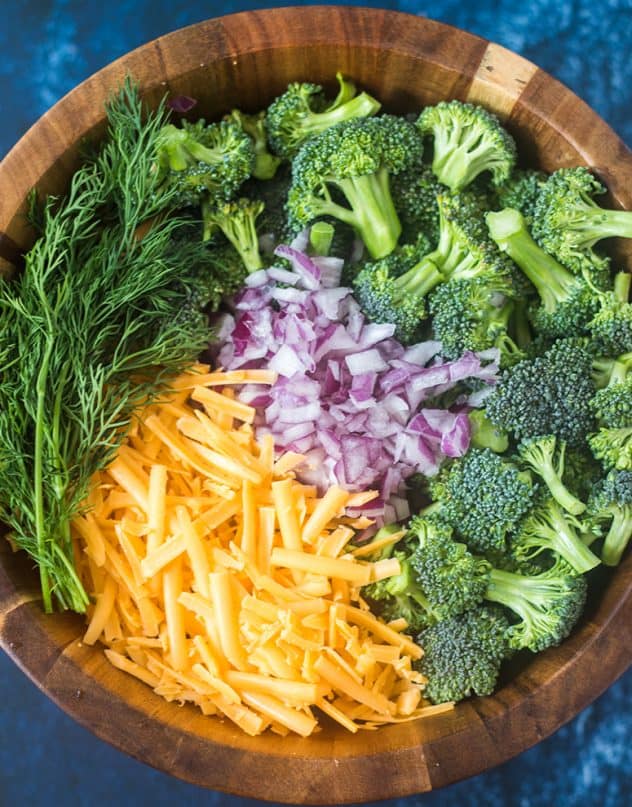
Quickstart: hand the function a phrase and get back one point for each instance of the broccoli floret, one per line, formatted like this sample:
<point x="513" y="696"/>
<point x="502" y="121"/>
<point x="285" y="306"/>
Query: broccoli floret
<point x="467" y="141"/>
<point x="345" y="172"/>
<point x="613" y="447"/>
<point x="548" y="604"/>
<point x="385" y="293"/>
<point x="484" y="434"/>
<point x="547" y="528"/>
<point x="545" y="456"/>
<point x="612" y="404"/>
<point x="415" y="196"/>
<point x="452" y="579"/>
<point x="236" y="220"/>
<point x="401" y="596"/>
<point x="462" y="655"/>
<point x="568" y="303"/>
<point x="203" y="160"/>
<point x="474" y="315"/>
<point x="272" y="224"/>
<point x="567" y="222"/>
<point x="302" y="112"/>
<point x="266" y="164"/>
<point x="521" y="191"/>
<point x="547" y="395"/>
<point x="581" y="471"/>
<point x="611" y="329"/>
<point x="484" y="497"/>
<point x="611" y="503"/>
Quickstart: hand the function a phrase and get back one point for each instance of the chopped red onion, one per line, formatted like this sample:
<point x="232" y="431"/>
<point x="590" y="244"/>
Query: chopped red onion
<point x="348" y="395"/>
<point x="181" y="103"/>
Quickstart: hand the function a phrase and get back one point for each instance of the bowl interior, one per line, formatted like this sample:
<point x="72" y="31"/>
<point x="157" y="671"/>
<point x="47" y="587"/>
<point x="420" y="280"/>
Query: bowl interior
<point x="245" y="60"/>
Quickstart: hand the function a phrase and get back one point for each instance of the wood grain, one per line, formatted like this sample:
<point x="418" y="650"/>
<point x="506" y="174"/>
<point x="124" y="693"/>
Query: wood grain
<point x="246" y="59"/>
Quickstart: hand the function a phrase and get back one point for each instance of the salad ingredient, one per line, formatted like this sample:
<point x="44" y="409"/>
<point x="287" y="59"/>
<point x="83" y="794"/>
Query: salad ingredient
<point x="266" y="164"/>
<point x="302" y="111"/>
<point x="547" y="395"/>
<point x="545" y="457"/>
<point x="195" y="160"/>
<point x="348" y="395"/>
<point x="611" y="505"/>
<point x="568" y="302"/>
<point x="547" y="528"/>
<point x="467" y="141"/>
<point x="567" y="222"/>
<point x="548" y="604"/>
<point x="484" y="496"/>
<point x="612" y="404"/>
<point x="611" y="329"/>
<point x="463" y="654"/>
<point x="355" y="161"/>
<point x="94" y="325"/>
<point x="613" y="447"/>
<point x="415" y="195"/>
<point x="236" y="221"/>
<point x="520" y="191"/>
<point x="220" y="580"/>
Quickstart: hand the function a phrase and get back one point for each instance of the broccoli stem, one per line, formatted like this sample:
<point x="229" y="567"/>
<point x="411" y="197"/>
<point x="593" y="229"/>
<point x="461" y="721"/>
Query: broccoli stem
<point x="553" y="282"/>
<point x="521" y="594"/>
<point x="464" y="160"/>
<point x="541" y="458"/>
<point x="594" y="223"/>
<point x="618" y="536"/>
<point x="565" y="542"/>
<point x="622" y="282"/>
<point x="420" y="280"/>
<point x="362" y="106"/>
<point x="373" y="213"/>
<point x="320" y="237"/>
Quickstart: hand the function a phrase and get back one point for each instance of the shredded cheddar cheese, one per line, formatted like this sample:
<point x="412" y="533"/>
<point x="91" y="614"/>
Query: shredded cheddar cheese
<point x="217" y="578"/>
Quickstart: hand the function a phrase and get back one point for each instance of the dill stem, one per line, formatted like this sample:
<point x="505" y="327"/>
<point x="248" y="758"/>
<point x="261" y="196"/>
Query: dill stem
<point x="38" y="477"/>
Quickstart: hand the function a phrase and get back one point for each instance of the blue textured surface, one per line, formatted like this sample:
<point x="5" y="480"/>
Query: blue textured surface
<point x="49" y="46"/>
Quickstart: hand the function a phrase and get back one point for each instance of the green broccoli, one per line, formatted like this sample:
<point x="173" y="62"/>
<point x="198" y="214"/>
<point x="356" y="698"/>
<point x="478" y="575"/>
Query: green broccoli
<point x="612" y="404"/>
<point x="547" y="528"/>
<point x="547" y="395"/>
<point x="302" y="112"/>
<point x="272" y="223"/>
<point x="201" y="160"/>
<point x="400" y="596"/>
<point x="484" y="434"/>
<point x="386" y="294"/>
<point x="613" y="447"/>
<point x="484" y="497"/>
<point x="568" y="303"/>
<point x="345" y="172"/>
<point x="611" y="329"/>
<point x="521" y="191"/>
<point x="396" y="290"/>
<point x="452" y="579"/>
<point x="548" y="604"/>
<point x="474" y="314"/>
<point x="468" y="140"/>
<point x="567" y="222"/>
<point x="611" y="503"/>
<point x="236" y="220"/>
<point x="266" y="164"/>
<point x="415" y="195"/>
<point x="545" y="456"/>
<point x="462" y="655"/>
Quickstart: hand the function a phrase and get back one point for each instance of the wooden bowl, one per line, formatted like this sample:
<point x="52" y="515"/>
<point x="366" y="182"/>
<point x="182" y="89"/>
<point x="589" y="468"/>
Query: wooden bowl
<point x="246" y="59"/>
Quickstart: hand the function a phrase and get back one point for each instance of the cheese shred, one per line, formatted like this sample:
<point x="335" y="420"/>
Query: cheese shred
<point x="218" y="579"/>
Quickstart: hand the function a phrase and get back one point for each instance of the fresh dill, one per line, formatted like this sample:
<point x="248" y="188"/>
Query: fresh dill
<point x="95" y="325"/>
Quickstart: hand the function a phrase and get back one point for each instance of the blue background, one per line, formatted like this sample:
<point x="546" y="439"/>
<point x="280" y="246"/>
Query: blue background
<point x="47" y="47"/>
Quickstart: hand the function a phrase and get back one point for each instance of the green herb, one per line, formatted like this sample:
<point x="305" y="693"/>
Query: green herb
<point x="91" y="329"/>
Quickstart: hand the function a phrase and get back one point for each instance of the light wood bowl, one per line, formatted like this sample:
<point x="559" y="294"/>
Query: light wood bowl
<point x="245" y="60"/>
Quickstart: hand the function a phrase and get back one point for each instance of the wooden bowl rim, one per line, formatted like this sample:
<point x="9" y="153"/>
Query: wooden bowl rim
<point x="402" y="760"/>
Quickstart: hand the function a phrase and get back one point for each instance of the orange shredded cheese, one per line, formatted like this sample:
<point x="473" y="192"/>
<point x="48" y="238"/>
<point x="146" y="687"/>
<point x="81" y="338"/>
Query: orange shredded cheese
<point x="218" y="579"/>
